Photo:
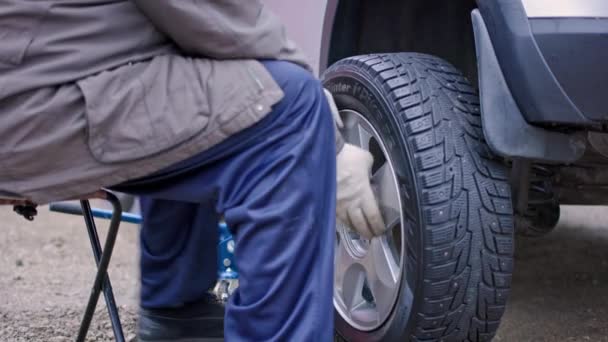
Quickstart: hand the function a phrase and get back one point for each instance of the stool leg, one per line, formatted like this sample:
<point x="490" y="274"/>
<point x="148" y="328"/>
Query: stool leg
<point x="102" y="259"/>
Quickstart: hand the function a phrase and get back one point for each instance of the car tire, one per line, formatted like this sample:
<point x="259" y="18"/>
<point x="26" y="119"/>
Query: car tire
<point x="455" y="224"/>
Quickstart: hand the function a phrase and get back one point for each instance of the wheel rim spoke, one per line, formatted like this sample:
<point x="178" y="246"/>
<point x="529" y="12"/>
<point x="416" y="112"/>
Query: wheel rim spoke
<point x="348" y="281"/>
<point x="357" y="133"/>
<point x="353" y="299"/>
<point x="388" y="197"/>
<point x="364" y="137"/>
<point x="382" y="272"/>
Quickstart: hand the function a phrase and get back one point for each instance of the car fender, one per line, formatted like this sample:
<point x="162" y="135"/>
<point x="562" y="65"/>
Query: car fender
<point x="309" y="23"/>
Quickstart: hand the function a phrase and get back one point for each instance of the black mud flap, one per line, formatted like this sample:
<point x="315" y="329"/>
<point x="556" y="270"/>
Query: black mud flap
<point x="507" y="132"/>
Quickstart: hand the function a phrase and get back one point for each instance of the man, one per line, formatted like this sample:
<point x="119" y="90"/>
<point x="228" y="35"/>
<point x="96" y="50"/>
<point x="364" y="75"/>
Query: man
<point x="204" y="109"/>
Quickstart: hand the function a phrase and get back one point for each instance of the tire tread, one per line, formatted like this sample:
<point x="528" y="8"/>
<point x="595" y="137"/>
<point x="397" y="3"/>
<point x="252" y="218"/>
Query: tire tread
<point x="465" y="196"/>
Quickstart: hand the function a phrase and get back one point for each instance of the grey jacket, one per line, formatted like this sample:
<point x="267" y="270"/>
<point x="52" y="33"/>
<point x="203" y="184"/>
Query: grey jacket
<point x="96" y="92"/>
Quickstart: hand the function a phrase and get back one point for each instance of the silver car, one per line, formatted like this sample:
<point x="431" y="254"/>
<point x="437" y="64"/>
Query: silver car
<point x="483" y="117"/>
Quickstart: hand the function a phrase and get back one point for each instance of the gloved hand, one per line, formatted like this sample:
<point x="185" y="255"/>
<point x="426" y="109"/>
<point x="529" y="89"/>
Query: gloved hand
<point x="356" y="204"/>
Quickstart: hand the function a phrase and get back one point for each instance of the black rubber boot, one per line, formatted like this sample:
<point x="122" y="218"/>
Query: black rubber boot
<point x="201" y="321"/>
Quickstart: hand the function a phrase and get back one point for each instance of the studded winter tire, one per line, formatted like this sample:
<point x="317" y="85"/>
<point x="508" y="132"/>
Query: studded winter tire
<point x="443" y="270"/>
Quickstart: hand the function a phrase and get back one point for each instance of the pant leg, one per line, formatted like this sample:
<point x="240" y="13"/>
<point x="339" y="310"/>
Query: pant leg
<point x="275" y="185"/>
<point x="178" y="252"/>
<point x="281" y="205"/>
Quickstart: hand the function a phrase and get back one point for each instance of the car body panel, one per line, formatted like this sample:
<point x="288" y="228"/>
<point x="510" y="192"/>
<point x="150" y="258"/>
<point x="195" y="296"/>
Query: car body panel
<point x="309" y="24"/>
<point x="528" y="37"/>
<point x="566" y="8"/>
<point x="535" y="56"/>
<point x="576" y="51"/>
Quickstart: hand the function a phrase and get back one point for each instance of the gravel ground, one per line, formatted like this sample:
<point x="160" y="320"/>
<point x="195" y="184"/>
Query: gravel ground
<point x="46" y="270"/>
<point x="560" y="287"/>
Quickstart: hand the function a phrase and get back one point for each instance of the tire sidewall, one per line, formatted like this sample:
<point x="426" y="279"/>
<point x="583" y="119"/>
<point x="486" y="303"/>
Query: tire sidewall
<point x="353" y="88"/>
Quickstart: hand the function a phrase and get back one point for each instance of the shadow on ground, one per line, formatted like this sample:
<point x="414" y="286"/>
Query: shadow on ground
<point x="560" y="285"/>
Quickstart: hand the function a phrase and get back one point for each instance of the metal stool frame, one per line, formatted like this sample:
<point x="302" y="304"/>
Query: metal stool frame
<point x="227" y="271"/>
<point x="102" y="259"/>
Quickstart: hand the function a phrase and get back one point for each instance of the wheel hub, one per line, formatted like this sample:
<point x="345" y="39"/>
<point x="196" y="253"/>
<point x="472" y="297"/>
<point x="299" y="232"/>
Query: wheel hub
<point x="369" y="272"/>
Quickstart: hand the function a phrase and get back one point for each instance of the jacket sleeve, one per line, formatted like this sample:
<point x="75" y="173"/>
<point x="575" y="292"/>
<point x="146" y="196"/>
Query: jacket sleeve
<point x="224" y="29"/>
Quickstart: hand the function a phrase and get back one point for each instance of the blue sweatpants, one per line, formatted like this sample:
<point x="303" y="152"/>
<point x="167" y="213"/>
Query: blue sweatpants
<point x="274" y="184"/>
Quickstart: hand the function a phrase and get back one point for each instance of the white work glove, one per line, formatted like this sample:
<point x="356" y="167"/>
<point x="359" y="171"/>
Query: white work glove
<point x="356" y="204"/>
